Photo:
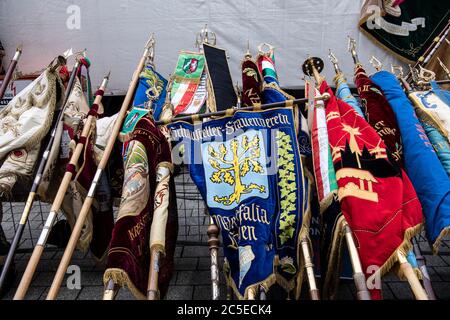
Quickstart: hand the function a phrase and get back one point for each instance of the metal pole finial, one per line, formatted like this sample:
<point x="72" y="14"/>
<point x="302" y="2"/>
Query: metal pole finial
<point x="248" y="55"/>
<point x="397" y="70"/>
<point x="150" y="49"/>
<point x="352" y="49"/>
<point x="205" y="36"/>
<point x="376" y="63"/>
<point x="334" y="61"/>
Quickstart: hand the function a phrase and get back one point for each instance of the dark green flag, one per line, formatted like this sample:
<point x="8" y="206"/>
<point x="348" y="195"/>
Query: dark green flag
<point x="407" y="29"/>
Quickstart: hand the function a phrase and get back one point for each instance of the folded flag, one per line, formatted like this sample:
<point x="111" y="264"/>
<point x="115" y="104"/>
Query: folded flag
<point x="221" y="92"/>
<point x="24" y="123"/>
<point x="266" y="65"/>
<point x="377" y="198"/>
<point x="151" y="92"/>
<point x="248" y="170"/>
<point x="429" y="178"/>
<point x="343" y="92"/>
<point x="331" y="242"/>
<point x="128" y="261"/>
<point x="437" y="109"/>
<point x="271" y="91"/>
<point x="189" y="87"/>
<point x="433" y="128"/>
<point x="379" y="113"/>
<point x="251" y="82"/>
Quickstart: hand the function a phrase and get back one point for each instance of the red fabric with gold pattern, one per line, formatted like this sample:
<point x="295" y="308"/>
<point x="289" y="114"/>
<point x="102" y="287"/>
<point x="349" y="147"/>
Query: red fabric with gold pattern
<point x="128" y="261"/>
<point x="379" y="113"/>
<point x="251" y="83"/>
<point x="376" y="196"/>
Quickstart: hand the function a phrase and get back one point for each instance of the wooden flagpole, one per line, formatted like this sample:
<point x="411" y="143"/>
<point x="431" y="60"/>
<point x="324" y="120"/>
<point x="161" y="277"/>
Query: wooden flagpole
<point x="65" y="182"/>
<point x="10" y="73"/>
<point x="310" y="68"/>
<point x="423" y="269"/>
<point x="59" y="277"/>
<point x="428" y="54"/>
<point x="214" y="245"/>
<point x="38" y="177"/>
<point x="411" y="276"/>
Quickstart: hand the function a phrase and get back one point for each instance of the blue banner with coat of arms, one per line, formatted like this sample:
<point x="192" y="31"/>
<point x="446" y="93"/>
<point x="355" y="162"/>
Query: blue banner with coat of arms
<point x="249" y="173"/>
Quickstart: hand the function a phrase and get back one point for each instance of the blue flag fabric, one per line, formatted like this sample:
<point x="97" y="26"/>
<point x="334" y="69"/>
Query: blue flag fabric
<point x="150" y="95"/>
<point x="151" y="91"/>
<point x="440" y="144"/>
<point x="343" y="92"/>
<point x="444" y="95"/>
<point x="248" y="170"/>
<point x="421" y="162"/>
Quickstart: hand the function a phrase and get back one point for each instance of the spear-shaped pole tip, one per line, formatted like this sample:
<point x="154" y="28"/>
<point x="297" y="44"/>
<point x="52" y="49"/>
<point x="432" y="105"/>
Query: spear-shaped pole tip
<point x="150" y="41"/>
<point x="19" y="47"/>
<point x="376" y="63"/>
<point x="334" y="61"/>
<point x="397" y="70"/>
<point x="108" y="75"/>
<point x="352" y="49"/>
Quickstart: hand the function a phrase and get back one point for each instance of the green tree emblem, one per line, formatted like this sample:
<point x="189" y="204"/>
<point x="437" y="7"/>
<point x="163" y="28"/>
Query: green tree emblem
<point x="232" y="171"/>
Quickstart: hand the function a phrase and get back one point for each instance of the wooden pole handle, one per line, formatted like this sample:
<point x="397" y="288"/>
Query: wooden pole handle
<point x="111" y="290"/>
<point x="29" y="272"/>
<point x="59" y="198"/>
<point x="359" y="278"/>
<point x="309" y="266"/>
<point x="411" y="276"/>
<point x="153" y="292"/>
<point x="214" y="244"/>
<point x="57" y="281"/>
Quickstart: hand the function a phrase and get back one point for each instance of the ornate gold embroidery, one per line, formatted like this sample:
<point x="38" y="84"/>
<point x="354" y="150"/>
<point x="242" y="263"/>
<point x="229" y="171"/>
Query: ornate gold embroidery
<point x="352" y="189"/>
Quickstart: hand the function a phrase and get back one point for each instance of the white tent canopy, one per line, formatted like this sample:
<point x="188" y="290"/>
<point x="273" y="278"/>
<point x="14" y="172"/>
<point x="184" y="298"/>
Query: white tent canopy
<point x="115" y="31"/>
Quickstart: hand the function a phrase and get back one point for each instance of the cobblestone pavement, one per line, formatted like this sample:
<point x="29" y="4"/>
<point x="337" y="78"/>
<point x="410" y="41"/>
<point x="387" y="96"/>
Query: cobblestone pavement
<point x="191" y="279"/>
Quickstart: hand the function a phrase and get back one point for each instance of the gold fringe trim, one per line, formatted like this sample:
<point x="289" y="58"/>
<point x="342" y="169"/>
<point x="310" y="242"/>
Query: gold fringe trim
<point x="267" y="283"/>
<point x="121" y="278"/>
<point x="276" y="277"/>
<point x="403" y="248"/>
<point x="326" y="202"/>
<point x="437" y="242"/>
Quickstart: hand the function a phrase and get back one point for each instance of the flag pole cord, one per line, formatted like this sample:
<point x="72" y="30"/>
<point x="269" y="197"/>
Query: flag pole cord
<point x="10" y="73"/>
<point x="59" y="198"/>
<point x="76" y="232"/>
<point x="37" y="179"/>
